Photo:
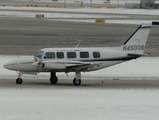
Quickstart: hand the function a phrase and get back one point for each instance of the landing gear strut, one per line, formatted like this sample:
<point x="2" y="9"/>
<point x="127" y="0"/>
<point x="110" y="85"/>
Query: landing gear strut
<point x="77" y="80"/>
<point x="53" y="77"/>
<point x="19" y="79"/>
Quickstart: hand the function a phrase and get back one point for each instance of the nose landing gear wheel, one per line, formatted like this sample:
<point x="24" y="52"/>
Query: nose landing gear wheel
<point x="19" y="81"/>
<point x="76" y="81"/>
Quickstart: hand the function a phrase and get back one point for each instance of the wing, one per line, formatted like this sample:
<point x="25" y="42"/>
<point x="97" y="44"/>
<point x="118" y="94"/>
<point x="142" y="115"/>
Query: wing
<point x="80" y="66"/>
<point x="64" y="65"/>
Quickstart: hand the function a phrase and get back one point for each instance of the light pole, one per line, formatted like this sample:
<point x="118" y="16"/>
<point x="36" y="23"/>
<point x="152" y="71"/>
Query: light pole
<point x="64" y="3"/>
<point x="90" y="3"/>
<point x="118" y="4"/>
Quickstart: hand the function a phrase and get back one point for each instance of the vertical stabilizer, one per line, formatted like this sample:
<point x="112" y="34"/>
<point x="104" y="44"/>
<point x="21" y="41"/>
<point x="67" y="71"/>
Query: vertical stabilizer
<point x="137" y="41"/>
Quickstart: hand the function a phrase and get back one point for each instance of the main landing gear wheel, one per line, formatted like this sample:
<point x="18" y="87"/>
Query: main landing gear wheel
<point x="53" y="80"/>
<point x="19" y="81"/>
<point x="76" y="81"/>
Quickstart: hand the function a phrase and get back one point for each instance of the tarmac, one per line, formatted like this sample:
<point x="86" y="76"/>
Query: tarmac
<point x="24" y="36"/>
<point x="86" y="84"/>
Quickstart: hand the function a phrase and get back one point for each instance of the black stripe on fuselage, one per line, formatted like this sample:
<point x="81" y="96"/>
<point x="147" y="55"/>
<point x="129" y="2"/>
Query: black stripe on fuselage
<point x="140" y="27"/>
<point x="110" y="59"/>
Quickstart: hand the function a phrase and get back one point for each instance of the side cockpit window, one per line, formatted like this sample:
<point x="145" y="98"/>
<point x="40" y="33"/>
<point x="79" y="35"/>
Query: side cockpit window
<point x="39" y="54"/>
<point x="49" y="55"/>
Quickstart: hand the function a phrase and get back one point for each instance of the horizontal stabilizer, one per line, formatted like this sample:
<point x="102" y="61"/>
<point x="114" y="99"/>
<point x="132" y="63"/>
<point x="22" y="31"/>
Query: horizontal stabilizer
<point x="155" y="23"/>
<point x="137" y="55"/>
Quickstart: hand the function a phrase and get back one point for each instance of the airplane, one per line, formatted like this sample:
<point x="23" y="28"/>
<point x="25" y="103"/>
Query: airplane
<point x="80" y="59"/>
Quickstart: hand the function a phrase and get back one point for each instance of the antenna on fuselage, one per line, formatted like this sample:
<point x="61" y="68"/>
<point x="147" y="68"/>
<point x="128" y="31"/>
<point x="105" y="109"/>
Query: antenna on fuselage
<point x="78" y="43"/>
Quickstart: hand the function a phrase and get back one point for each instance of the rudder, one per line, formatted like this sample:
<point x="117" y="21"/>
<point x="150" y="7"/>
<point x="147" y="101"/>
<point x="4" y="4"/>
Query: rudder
<point x="137" y="41"/>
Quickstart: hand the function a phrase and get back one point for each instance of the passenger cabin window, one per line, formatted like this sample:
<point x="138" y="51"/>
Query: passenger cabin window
<point x="39" y="54"/>
<point x="96" y="54"/>
<point x="71" y="54"/>
<point x="60" y="55"/>
<point x="49" y="55"/>
<point x="84" y="54"/>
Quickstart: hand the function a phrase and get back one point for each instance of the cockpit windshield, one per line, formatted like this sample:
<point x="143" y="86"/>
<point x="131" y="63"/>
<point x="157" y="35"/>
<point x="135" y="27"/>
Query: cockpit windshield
<point x="39" y="54"/>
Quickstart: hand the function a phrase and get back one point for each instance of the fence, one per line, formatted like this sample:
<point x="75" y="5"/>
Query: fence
<point x="132" y="5"/>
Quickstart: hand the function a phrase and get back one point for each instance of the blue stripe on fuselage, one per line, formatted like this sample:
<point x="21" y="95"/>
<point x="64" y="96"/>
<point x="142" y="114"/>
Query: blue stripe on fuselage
<point x="100" y="60"/>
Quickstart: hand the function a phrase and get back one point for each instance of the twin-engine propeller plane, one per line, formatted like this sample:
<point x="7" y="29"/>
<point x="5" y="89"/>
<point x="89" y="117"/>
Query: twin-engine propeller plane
<point x="80" y="59"/>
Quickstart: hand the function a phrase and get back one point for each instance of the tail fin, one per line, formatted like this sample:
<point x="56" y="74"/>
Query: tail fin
<point x="137" y="41"/>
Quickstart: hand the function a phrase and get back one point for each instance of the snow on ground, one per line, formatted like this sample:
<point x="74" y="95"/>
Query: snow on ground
<point x="76" y="104"/>
<point x="88" y="10"/>
<point x="111" y="104"/>
<point x="57" y="15"/>
<point x="74" y="14"/>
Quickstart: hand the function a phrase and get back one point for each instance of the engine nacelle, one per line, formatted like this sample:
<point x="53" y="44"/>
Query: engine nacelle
<point x="50" y="65"/>
<point x="37" y="64"/>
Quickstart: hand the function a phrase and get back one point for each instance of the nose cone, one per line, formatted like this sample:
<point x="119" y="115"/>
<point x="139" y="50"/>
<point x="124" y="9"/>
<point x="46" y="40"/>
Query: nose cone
<point x="19" y="63"/>
<point x="9" y="65"/>
<point x="5" y="65"/>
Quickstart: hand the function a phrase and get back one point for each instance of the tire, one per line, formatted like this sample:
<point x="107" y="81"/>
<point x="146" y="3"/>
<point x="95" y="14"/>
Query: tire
<point x="53" y="80"/>
<point x="76" y="81"/>
<point x="19" y="81"/>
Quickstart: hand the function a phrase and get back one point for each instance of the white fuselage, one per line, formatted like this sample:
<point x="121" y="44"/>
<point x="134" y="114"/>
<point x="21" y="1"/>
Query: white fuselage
<point x="58" y="59"/>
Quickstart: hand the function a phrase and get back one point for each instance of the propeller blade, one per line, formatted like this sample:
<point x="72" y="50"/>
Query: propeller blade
<point x="38" y="63"/>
